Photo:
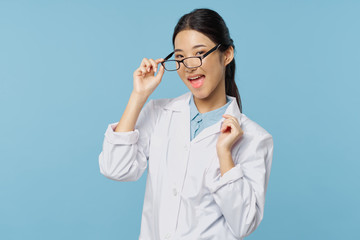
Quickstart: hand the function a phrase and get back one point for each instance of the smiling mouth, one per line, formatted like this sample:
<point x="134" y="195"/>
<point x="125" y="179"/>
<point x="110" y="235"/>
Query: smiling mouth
<point x="197" y="81"/>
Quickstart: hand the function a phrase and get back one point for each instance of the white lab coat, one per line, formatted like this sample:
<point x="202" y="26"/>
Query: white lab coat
<point x="186" y="198"/>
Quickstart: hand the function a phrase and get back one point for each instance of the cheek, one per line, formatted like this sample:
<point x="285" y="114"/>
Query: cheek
<point x="211" y="69"/>
<point x="220" y="67"/>
<point x="212" y="66"/>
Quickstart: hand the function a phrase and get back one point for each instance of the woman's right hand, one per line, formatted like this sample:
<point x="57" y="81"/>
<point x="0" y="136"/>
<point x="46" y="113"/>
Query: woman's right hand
<point x="145" y="81"/>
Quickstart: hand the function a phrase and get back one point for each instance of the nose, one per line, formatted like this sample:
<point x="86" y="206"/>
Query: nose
<point x="190" y="69"/>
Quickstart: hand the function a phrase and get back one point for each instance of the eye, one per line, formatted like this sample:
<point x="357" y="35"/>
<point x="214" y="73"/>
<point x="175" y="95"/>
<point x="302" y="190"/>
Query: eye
<point x="178" y="56"/>
<point x="200" y="53"/>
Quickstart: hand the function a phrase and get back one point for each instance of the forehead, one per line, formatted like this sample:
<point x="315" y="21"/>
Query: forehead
<point x="186" y="39"/>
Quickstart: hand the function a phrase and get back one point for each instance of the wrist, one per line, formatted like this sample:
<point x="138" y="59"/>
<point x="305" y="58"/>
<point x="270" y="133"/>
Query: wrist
<point x="226" y="161"/>
<point x="223" y="152"/>
<point x="139" y="97"/>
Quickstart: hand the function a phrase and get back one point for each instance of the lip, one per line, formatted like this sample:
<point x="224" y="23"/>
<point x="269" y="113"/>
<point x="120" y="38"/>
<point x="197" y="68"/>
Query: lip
<point x="192" y="76"/>
<point x="199" y="82"/>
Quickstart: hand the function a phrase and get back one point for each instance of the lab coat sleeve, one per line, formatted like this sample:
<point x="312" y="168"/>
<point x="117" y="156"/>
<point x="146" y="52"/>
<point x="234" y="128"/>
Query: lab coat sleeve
<point x="124" y="154"/>
<point x="240" y="192"/>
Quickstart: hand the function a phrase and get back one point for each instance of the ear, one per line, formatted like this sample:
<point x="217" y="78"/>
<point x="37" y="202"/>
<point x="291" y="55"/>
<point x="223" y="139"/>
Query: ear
<point x="228" y="55"/>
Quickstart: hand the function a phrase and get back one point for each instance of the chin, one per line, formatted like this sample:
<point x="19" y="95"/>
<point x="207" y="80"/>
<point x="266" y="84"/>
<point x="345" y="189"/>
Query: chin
<point x="200" y="95"/>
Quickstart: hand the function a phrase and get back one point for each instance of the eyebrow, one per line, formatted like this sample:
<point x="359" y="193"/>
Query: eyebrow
<point x="196" y="46"/>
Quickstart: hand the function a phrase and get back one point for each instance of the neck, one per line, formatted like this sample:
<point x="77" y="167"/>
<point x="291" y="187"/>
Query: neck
<point x="210" y="103"/>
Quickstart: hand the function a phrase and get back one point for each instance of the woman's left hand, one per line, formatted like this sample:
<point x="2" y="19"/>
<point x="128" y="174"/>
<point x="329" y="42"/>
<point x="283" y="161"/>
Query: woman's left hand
<point x="230" y="132"/>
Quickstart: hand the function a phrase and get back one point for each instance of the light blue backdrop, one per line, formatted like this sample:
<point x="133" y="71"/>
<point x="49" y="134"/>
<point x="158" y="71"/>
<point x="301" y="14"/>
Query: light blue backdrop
<point x="66" y="72"/>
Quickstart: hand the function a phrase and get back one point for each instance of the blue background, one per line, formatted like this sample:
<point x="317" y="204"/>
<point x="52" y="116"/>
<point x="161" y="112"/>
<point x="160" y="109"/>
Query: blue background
<point x="66" y="73"/>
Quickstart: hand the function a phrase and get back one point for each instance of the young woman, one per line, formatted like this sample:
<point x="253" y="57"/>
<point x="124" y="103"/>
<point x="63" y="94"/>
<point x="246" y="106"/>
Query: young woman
<point x="208" y="163"/>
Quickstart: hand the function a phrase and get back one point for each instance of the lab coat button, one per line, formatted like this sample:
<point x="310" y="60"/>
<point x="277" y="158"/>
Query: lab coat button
<point x="174" y="191"/>
<point x="186" y="147"/>
<point x="167" y="236"/>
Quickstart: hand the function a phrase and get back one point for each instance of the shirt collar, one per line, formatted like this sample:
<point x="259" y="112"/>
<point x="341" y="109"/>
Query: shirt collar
<point x="181" y="103"/>
<point x="194" y="112"/>
<point x="193" y="109"/>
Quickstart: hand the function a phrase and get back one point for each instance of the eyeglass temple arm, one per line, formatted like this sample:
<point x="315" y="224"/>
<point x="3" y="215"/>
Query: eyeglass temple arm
<point x="168" y="56"/>
<point x="215" y="48"/>
<point x="212" y="50"/>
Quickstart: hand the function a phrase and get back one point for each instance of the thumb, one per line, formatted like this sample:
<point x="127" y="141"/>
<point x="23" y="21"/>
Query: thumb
<point x="160" y="72"/>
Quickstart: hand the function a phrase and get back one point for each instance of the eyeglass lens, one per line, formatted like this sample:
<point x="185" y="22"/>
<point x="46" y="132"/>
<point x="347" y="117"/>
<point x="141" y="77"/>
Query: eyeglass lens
<point x="191" y="62"/>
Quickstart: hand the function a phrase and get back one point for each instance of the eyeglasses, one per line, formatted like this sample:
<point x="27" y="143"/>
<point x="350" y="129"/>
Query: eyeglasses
<point x="189" y="62"/>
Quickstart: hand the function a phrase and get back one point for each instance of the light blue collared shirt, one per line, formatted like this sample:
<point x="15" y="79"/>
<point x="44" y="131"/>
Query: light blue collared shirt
<point x="200" y="121"/>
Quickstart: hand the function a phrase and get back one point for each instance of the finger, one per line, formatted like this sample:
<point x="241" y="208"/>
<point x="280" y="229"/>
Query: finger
<point x="241" y="132"/>
<point x="143" y="70"/>
<point x="143" y="62"/>
<point x="159" y="60"/>
<point x="153" y="64"/>
<point x="225" y="125"/>
<point x="231" y="129"/>
<point x="146" y="64"/>
<point x="236" y="121"/>
<point x="140" y="71"/>
<point x="228" y="123"/>
<point x="225" y="128"/>
<point x="235" y="125"/>
<point x="227" y="116"/>
<point x="160" y="74"/>
<point x="230" y="120"/>
<point x="234" y="130"/>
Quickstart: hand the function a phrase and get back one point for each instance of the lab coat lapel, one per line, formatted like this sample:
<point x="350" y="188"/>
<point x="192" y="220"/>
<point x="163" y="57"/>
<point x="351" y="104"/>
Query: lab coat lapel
<point x="213" y="129"/>
<point x="178" y="151"/>
<point x="181" y="106"/>
<point x="180" y="132"/>
<point x="232" y="109"/>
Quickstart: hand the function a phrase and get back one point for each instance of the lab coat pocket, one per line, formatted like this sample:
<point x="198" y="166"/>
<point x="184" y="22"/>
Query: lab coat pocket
<point x="157" y="153"/>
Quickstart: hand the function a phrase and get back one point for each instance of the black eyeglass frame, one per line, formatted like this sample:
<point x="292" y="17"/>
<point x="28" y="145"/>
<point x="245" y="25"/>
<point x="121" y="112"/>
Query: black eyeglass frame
<point x="182" y="61"/>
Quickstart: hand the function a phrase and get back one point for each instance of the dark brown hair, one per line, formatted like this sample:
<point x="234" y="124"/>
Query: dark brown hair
<point x="212" y="25"/>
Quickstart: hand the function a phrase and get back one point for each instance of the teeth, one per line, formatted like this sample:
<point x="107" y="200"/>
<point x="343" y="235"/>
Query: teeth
<point x="195" y="78"/>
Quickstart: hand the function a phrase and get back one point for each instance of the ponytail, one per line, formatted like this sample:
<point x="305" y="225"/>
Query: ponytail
<point x="230" y="84"/>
